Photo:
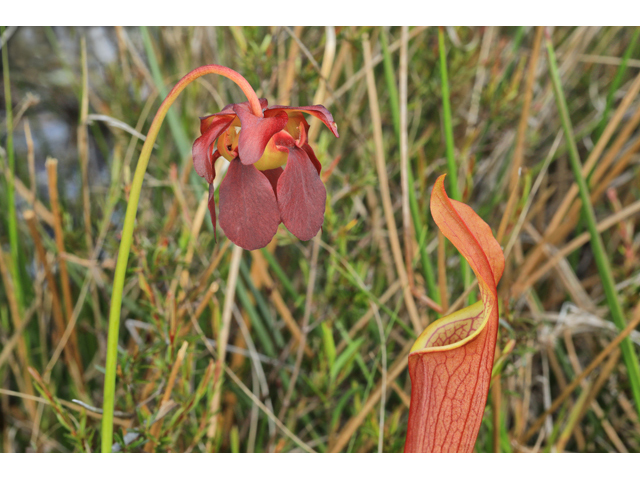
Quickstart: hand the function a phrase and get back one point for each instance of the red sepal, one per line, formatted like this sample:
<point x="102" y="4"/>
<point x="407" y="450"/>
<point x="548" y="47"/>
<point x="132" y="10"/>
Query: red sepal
<point x="249" y="213"/>
<point x="273" y="175"/>
<point x="317" y="111"/>
<point x="301" y="195"/>
<point x="312" y="156"/>
<point x="201" y="150"/>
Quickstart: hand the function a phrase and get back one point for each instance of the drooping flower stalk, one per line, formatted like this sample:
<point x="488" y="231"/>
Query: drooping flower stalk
<point x="450" y="363"/>
<point x="129" y="222"/>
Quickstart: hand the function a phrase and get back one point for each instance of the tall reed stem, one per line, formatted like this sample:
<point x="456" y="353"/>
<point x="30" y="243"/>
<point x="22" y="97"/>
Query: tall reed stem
<point x="127" y="232"/>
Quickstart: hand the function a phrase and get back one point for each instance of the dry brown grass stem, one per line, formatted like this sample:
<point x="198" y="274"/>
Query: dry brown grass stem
<point x="281" y="306"/>
<point x="584" y="402"/>
<point x="352" y="425"/>
<point x="599" y="186"/>
<point x="325" y="71"/>
<point x="573" y="245"/>
<point x="203" y="280"/>
<point x="183" y="273"/>
<point x="122" y="51"/>
<point x="518" y="153"/>
<point x="617" y="169"/>
<point x="213" y="288"/>
<point x="223" y="339"/>
<point x="576" y="381"/>
<point x="346" y="86"/>
<point x="83" y="146"/>
<point x="383" y="379"/>
<point x="7" y="347"/>
<point x="607" y="60"/>
<point x="52" y="171"/>
<point x="284" y="92"/>
<point x="571" y="217"/>
<point x="562" y="383"/>
<point x="178" y="192"/>
<point x="459" y="303"/>
<point x="70" y="405"/>
<point x="18" y="325"/>
<point x="83" y="156"/>
<point x="31" y="162"/>
<point x="176" y="204"/>
<point x="41" y="211"/>
<point x="364" y="320"/>
<point x="553" y="231"/>
<point x="311" y="283"/>
<point x="378" y="235"/>
<point x="137" y="59"/>
<point x="532" y="194"/>
<point x="268" y="412"/>
<point x="155" y="429"/>
<point x="590" y="396"/>
<point x="387" y="205"/>
<point x="404" y="157"/>
<point x="71" y="354"/>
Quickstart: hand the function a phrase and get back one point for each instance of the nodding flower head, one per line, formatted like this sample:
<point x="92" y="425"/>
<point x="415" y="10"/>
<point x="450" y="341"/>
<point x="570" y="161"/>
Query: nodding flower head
<point x="257" y="193"/>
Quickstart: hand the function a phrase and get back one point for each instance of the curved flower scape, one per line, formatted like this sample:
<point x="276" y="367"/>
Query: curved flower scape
<point x="257" y="193"/>
<point x="450" y="363"/>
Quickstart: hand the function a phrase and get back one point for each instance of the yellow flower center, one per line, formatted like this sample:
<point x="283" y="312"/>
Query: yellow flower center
<point x="272" y="156"/>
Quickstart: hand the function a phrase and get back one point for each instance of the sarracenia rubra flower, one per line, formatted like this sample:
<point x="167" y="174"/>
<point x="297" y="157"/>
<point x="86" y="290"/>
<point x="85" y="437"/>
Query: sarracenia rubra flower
<point x="451" y="361"/>
<point x="257" y="193"/>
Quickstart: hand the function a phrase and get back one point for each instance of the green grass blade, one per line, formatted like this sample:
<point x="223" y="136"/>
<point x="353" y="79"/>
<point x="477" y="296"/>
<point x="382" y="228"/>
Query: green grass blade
<point x="427" y="266"/>
<point x="615" y="84"/>
<point x="282" y="276"/>
<point x="179" y="135"/>
<point x="451" y="161"/>
<point x="602" y="261"/>
<point x="12" y="219"/>
<point x="391" y="83"/>
<point x="446" y="120"/>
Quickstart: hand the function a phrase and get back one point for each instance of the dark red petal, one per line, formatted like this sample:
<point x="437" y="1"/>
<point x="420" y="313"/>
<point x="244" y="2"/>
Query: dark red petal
<point x="285" y="140"/>
<point x="312" y="156"/>
<point x="212" y="210"/>
<point x="205" y="122"/>
<point x="209" y="120"/>
<point x="273" y="175"/>
<point x="256" y="132"/>
<point x="249" y="213"/>
<point x="317" y="111"/>
<point x="201" y="150"/>
<point x="301" y="195"/>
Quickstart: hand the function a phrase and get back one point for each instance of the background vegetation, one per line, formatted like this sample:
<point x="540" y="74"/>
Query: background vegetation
<point x="318" y="332"/>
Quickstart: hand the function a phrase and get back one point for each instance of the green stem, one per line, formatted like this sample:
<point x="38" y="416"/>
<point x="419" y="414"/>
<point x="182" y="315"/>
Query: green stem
<point x="127" y="232"/>
<point x="451" y="161"/>
<point x="12" y="219"/>
<point x="617" y="80"/>
<point x="602" y="261"/>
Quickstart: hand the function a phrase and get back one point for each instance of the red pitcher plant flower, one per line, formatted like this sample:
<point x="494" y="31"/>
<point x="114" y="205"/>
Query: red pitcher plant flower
<point x="257" y="193"/>
<point x="450" y="363"/>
